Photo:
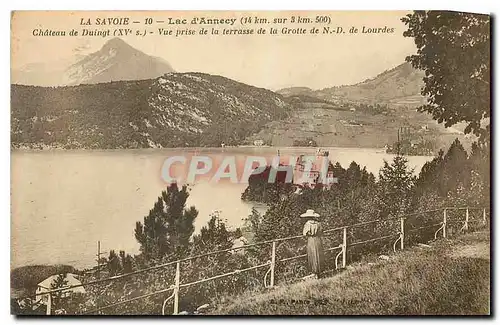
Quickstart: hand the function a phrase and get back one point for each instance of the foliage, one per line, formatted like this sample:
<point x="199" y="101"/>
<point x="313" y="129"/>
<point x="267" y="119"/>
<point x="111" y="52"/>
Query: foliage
<point x="414" y="282"/>
<point x="372" y="109"/>
<point x="454" y="178"/>
<point x="261" y="190"/>
<point x="446" y="173"/>
<point x="422" y="147"/>
<point x="168" y="227"/>
<point x="119" y="264"/>
<point x="395" y="185"/>
<point x="59" y="282"/>
<point x="176" y="110"/>
<point x="29" y="276"/>
<point x="453" y="48"/>
<point x="213" y="237"/>
<point x="307" y="142"/>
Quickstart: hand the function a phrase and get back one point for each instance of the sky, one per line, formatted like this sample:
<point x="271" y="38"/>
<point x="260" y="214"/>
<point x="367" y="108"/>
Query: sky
<point x="268" y="61"/>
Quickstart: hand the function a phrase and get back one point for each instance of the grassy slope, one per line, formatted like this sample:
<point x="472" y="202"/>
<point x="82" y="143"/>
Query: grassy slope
<point x="451" y="277"/>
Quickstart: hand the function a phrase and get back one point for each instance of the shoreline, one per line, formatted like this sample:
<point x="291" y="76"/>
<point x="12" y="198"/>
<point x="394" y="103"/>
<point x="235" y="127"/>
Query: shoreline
<point x="220" y="150"/>
<point x="196" y="148"/>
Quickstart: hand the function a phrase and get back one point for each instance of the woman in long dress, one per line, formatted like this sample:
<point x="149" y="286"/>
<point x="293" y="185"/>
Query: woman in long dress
<point x="312" y="230"/>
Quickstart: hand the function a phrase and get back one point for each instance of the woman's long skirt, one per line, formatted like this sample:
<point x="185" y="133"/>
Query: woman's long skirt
<point x="315" y="255"/>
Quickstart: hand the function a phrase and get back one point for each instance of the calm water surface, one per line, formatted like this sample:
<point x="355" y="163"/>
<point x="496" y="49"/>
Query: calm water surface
<point x="63" y="202"/>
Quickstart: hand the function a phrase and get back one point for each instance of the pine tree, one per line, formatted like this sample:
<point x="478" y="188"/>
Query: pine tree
<point x="113" y="263"/>
<point x="479" y="161"/>
<point x="126" y="262"/>
<point x="59" y="282"/>
<point x="455" y="170"/>
<point x="396" y="182"/>
<point x="169" y="226"/>
<point x="430" y="174"/>
<point x="353" y="175"/>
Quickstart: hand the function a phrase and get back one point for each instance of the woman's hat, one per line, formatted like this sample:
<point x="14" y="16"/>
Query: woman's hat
<point x="309" y="214"/>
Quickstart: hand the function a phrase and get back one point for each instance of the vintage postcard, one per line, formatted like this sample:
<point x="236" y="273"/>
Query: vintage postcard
<point x="250" y="163"/>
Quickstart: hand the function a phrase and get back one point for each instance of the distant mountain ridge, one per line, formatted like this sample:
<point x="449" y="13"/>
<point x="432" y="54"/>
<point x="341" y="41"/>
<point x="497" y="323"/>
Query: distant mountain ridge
<point x="294" y="91"/>
<point x="174" y="110"/>
<point x="399" y="85"/>
<point x="115" y="61"/>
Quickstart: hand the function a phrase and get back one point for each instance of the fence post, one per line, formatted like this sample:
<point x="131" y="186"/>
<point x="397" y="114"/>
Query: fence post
<point x="49" y="304"/>
<point x="273" y="263"/>
<point x="466" y="225"/>
<point x="344" y="248"/>
<point x="176" y="288"/>
<point x="484" y="216"/>
<point x="444" y="223"/>
<point x="402" y="241"/>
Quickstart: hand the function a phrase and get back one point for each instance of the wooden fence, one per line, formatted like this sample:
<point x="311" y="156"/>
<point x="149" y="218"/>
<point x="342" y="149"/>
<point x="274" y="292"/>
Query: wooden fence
<point x="269" y="278"/>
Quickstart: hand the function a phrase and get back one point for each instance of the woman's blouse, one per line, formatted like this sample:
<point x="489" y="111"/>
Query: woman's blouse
<point x="312" y="228"/>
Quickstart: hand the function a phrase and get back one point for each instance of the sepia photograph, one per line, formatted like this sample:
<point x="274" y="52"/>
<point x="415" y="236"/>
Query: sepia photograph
<point x="311" y="163"/>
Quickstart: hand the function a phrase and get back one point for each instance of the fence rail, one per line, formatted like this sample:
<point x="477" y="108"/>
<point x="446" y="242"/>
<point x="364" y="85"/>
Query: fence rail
<point x="272" y="262"/>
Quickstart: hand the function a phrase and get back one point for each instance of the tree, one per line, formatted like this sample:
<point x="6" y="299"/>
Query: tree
<point x="214" y="236"/>
<point x="456" y="169"/>
<point x="114" y="266"/>
<point x="169" y="226"/>
<point x="118" y="264"/>
<point x="261" y="190"/>
<point x="58" y="283"/>
<point x="453" y="48"/>
<point x="396" y="182"/>
<point x="307" y="142"/>
<point x="346" y="199"/>
<point x="454" y="179"/>
<point x="282" y="218"/>
<point x="126" y="262"/>
<point x="429" y="177"/>
<point x="479" y="161"/>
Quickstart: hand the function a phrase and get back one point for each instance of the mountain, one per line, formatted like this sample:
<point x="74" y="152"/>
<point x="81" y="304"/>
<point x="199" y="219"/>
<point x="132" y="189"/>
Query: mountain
<point x="400" y="86"/>
<point x="176" y="109"/>
<point x="115" y="61"/>
<point x="365" y="115"/>
<point x="295" y="91"/>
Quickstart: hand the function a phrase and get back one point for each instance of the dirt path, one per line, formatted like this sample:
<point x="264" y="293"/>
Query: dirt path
<point x="477" y="250"/>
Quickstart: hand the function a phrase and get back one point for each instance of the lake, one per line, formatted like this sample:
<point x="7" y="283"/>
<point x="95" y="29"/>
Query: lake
<point x="63" y="202"/>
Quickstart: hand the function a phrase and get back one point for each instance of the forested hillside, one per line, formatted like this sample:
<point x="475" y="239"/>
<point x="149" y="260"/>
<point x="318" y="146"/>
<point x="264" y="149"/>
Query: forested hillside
<point x="177" y="109"/>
